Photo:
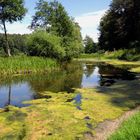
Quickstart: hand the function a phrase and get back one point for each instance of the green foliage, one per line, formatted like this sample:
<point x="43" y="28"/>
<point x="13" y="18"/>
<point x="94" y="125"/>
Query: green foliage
<point x="130" y="129"/>
<point x="90" y="46"/>
<point x="52" y="18"/>
<point x="17" y="44"/>
<point x="10" y="11"/>
<point x="43" y="44"/>
<point x="119" y="28"/>
<point x="122" y="54"/>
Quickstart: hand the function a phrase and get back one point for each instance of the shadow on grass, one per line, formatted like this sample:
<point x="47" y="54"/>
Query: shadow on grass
<point x="124" y="93"/>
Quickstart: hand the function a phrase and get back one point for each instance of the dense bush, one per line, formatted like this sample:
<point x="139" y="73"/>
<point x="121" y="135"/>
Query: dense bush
<point x="44" y="44"/>
<point x="130" y="55"/>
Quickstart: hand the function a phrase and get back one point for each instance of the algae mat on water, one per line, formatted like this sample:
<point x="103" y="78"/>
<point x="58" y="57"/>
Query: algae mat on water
<point x="60" y="116"/>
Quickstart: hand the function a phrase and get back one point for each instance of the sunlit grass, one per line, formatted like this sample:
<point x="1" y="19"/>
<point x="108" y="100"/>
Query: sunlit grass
<point x="129" y="55"/>
<point x="129" y="130"/>
<point x="137" y="69"/>
<point x="23" y="65"/>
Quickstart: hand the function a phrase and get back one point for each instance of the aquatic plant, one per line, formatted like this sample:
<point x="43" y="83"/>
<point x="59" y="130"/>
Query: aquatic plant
<point x="58" y="117"/>
<point x="26" y="65"/>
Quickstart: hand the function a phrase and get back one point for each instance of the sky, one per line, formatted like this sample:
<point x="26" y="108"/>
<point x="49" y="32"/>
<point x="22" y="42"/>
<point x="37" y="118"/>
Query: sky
<point x="86" y="12"/>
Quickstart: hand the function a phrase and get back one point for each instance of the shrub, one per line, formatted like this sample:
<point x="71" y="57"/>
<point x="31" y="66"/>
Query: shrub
<point x="44" y="44"/>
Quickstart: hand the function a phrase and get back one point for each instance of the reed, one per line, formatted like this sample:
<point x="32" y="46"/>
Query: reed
<point x="26" y="65"/>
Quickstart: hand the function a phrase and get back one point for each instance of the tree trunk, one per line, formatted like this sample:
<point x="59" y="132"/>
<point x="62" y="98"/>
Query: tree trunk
<point x="8" y="51"/>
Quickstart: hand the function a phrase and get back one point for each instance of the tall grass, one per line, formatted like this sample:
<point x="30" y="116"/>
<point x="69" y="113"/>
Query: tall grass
<point x="130" y="129"/>
<point x="24" y="65"/>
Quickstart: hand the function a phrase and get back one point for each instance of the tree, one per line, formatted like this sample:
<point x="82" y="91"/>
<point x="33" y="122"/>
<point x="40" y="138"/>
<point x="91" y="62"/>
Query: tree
<point x="120" y="26"/>
<point x="10" y="11"/>
<point x="53" y="18"/>
<point x="90" y="46"/>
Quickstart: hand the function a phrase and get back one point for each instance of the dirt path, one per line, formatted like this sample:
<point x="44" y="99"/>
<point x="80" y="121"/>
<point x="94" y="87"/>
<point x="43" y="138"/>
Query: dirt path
<point x="106" y="128"/>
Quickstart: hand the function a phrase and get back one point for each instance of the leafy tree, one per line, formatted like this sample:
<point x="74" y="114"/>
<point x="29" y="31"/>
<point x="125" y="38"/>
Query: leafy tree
<point x="43" y="44"/>
<point x="120" y="26"/>
<point x="10" y="11"/>
<point x="17" y="44"/>
<point x="73" y="44"/>
<point x="90" y="46"/>
<point x="52" y="17"/>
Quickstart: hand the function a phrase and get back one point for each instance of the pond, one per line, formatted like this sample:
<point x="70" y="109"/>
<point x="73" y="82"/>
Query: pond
<point x="14" y="90"/>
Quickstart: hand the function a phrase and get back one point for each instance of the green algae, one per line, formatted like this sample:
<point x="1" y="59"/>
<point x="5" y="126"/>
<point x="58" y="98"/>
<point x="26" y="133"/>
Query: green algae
<point x="131" y="66"/>
<point x="57" y="118"/>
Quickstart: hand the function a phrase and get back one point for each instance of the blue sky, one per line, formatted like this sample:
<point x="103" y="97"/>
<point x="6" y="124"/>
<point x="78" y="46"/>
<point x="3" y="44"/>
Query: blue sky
<point x="86" y="12"/>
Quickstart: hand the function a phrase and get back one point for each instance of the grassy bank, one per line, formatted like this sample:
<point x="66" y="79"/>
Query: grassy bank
<point x="128" y="55"/>
<point x="129" y="130"/>
<point x="26" y="65"/>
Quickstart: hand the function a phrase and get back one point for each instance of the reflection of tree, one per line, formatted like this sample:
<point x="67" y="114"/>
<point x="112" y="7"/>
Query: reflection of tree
<point x="70" y="77"/>
<point x="110" y="73"/>
<point x="9" y="96"/>
<point x="9" y="101"/>
<point x="64" y="80"/>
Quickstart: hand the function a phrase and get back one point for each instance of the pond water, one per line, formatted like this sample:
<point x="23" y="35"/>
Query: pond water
<point x="14" y="90"/>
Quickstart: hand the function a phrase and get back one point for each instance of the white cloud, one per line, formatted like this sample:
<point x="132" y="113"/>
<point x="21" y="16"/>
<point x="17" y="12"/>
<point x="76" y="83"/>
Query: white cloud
<point x="19" y="27"/>
<point x="89" y="23"/>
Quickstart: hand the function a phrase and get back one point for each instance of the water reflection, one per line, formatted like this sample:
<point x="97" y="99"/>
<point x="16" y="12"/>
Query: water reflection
<point x="78" y="101"/>
<point x="91" y="77"/>
<point x="15" y="90"/>
<point x="15" y="94"/>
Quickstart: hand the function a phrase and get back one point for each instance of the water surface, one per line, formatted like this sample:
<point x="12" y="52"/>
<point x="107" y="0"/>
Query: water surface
<point x="15" y="90"/>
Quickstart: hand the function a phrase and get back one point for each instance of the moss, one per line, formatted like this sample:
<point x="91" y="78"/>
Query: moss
<point x="57" y="118"/>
